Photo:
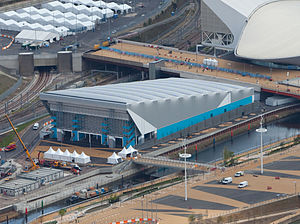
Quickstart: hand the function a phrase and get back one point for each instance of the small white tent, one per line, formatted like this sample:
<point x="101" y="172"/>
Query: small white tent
<point x="107" y="12"/>
<point x="115" y="7"/>
<point x="124" y="153"/>
<point x="12" y="25"/>
<point x="114" y="159"/>
<point x="100" y="4"/>
<point x="74" y="156"/>
<point x="66" y="156"/>
<point x="126" y="8"/>
<point x="82" y="9"/>
<point x="58" y="154"/>
<point x="133" y="152"/>
<point x="56" y="5"/>
<point x="62" y="31"/>
<point x="8" y="15"/>
<point x="30" y="10"/>
<point x="49" y="154"/>
<point x="94" y="11"/>
<point x="83" y="159"/>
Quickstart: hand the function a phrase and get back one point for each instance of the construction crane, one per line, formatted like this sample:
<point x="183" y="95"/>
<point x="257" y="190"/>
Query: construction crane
<point x="34" y="166"/>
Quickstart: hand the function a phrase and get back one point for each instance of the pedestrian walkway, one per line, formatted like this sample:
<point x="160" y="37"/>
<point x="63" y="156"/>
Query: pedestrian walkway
<point x="177" y="164"/>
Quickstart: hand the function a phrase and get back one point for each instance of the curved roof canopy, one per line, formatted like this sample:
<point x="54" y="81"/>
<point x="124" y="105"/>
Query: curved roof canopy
<point x="234" y="13"/>
<point x="272" y="32"/>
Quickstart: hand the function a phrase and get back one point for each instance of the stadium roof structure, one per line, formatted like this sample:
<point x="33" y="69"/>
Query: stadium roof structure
<point x="234" y="13"/>
<point x="272" y="33"/>
<point x="155" y="104"/>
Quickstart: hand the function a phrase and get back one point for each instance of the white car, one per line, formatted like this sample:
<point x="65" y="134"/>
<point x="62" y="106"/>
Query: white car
<point x="36" y="126"/>
<point x="239" y="174"/>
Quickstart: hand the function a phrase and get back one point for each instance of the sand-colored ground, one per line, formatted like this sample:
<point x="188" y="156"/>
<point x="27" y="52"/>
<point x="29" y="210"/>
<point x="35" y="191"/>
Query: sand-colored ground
<point x="93" y="152"/>
<point x="276" y="74"/>
<point x="171" y="213"/>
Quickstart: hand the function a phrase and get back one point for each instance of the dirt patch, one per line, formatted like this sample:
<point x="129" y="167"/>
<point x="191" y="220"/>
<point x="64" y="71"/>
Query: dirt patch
<point x="6" y="83"/>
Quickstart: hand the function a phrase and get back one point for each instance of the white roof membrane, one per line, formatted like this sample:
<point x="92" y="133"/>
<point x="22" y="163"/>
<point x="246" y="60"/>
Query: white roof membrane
<point x="272" y="32"/>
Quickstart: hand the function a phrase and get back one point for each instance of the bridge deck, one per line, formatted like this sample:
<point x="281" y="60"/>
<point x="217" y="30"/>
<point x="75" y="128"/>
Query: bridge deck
<point x="277" y="75"/>
<point x="165" y="162"/>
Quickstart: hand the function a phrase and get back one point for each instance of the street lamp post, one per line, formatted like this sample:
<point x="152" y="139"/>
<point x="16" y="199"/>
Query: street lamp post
<point x="261" y="130"/>
<point x="185" y="156"/>
<point x="295" y="182"/>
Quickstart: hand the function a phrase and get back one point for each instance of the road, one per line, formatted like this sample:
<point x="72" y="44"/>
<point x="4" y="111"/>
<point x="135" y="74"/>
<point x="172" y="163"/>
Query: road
<point x="30" y="139"/>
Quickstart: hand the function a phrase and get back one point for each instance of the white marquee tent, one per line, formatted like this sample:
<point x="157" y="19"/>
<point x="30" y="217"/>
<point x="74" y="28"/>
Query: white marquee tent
<point x="100" y="4"/>
<point x="56" y="5"/>
<point x="62" y="31"/>
<point x="30" y="10"/>
<point x="36" y="36"/>
<point x="23" y="16"/>
<point x="49" y="154"/>
<point x="66" y="156"/>
<point x="126" y="8"/>
<point x="114" y="159"/>
<point x="8" y="15"/>
<point x="124" y="153"/>
<point x="115" y="7"/>
<point x="74" y="155"/>
<point x="133" y="152"/>
<point x="107" y="12"/>
<point x="58" y="154"/>
<point x="83" y="159"/>
<point x="94" y="11"/>
<point x="45" y="12"/>
<point x="82" y="9"/>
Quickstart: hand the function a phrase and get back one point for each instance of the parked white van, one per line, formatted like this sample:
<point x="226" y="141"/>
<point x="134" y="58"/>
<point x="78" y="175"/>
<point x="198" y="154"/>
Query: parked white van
<point x="227" y="180"/>
<point x="243" y="184"/>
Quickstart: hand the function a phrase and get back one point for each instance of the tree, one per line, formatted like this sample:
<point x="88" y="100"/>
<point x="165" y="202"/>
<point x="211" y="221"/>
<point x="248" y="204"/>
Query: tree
<point x="191" y="218"/>
<point x="228" y="156"/>
<point x="220" y="219"/>
<point x="62" y="212"/>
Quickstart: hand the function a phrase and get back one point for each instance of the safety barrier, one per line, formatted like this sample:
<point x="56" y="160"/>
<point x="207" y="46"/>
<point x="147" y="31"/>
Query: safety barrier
<point x="10" y="37"/>
<point x="188" y="62"/>
<point x="48" y="122"/>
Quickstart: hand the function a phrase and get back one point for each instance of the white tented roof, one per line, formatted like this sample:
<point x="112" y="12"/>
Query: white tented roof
<point x="35" y="35"/>
<point x="272" y="32"/>
<point x="30" y="10"/>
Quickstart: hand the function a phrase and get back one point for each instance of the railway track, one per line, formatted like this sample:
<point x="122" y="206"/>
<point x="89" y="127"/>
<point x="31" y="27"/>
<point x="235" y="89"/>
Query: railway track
<point x="186" y="31"/>
<point x="27" y="95"/>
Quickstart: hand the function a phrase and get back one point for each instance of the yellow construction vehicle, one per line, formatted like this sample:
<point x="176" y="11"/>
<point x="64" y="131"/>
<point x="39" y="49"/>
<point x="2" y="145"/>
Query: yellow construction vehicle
<point x="34" y="166"/>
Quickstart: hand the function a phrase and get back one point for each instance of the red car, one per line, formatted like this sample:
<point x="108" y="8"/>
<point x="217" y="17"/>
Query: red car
<point x="10" y="147"/>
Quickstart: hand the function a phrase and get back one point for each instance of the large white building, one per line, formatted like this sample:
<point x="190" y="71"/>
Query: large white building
<point x="133" y="113"/>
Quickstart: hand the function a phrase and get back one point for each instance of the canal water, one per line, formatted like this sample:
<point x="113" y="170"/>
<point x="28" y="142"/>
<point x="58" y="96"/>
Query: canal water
<point x="277" y="130"/>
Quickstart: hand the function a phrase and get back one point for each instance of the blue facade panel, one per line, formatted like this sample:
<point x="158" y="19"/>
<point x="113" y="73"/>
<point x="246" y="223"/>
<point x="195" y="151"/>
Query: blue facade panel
<point x="168" y="130"/>
<point x="75" y="136"/>
<point x="54" y="135"/>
